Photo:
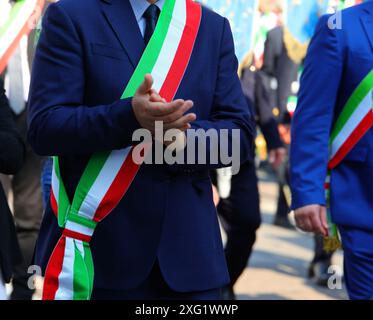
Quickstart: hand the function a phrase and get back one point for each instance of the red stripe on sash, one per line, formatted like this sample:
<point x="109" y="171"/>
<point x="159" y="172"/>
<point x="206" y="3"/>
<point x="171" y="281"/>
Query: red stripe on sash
<point x="76" y="235"/>
<point x="184" y="51"/>
<point x="352" y="140"/>
<point x="24" y="31"/>
<point x="118" y="188"/>
<point x="53" y="270"/>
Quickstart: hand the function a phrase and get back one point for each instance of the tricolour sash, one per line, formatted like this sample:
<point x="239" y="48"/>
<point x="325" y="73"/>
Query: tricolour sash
<point x="22" y="19"/>
<point x="353" y="123"/>
<point x="108" y="175"/>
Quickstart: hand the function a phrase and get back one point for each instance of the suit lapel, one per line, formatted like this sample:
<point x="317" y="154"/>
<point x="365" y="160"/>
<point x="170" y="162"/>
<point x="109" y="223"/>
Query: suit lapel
<point x="120" y="17"/>
<point x="367" y="21"/>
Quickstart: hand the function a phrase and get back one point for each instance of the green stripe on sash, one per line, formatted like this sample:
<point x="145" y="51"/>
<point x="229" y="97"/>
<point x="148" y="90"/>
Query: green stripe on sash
<point x="151" y="53"/>
<point x="352" y="104"/>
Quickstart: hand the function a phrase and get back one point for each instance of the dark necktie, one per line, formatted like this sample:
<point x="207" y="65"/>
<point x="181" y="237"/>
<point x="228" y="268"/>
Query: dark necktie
<point x="151" y="16"/>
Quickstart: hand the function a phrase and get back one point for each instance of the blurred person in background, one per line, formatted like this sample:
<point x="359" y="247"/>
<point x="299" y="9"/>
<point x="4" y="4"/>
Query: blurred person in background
<point x="24" y="186"/>
<point x="279" y="72"/>
<point x="46" y="174"/>
<point x="240" y="212"/>
<point x="280" y="66"/>
<point x="12" y="152"/>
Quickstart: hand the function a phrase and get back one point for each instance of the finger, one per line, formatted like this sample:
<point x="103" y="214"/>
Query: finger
<point x="303" y="222"/>
<point x="146" y="85"/>
<point x="178" y="113"/>
<point x="307" y="225"/>
<point x="154" y="92"/>
<point x="316" y="225"/>
<point x="182" y="122"/>
<point x="299" y="221"/>
<point x="155" y="97"/>
<point x="324" y="220"/>
<point x="160" y="109"/>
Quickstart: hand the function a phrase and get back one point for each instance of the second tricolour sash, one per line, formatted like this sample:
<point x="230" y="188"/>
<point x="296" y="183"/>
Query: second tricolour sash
<point x="21" y="20"/>
<point x="351" y="126"/>
<point x="108" y="175"/>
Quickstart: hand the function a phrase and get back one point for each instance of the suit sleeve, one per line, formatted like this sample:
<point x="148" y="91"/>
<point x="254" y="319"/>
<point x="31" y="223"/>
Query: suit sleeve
<point x="230" y="110"/>
<point x="12" y="149"/>
<point x="314" y="116"/>
<point x="59" y="121"/>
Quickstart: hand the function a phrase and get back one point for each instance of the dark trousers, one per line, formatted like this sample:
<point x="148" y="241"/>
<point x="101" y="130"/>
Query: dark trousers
<point x="154" y="288"/>
<point x="240" y="216"/>
<point x="27" y="209"/>
<point x="358" y="262"/>
<point x="283" y="205"/>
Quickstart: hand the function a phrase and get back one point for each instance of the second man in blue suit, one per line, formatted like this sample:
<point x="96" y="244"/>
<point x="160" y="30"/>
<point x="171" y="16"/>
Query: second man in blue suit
<point x="332" y="140"/>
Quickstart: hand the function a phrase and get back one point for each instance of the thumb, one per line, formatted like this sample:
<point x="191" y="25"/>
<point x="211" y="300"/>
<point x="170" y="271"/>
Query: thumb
<point x="146" y="85"/>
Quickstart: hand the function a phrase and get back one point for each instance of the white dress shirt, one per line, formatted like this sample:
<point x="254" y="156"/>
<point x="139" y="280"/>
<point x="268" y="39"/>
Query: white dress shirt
<point x="139" y="7"/>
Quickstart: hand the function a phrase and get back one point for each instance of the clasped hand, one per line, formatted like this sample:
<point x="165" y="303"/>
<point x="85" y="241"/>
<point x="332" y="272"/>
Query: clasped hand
<point x="150" y="107"/>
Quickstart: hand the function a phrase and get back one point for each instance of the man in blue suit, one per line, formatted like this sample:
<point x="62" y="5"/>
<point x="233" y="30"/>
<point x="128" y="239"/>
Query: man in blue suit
<point x="162" y="241"/>
<point x="336" y="81"/>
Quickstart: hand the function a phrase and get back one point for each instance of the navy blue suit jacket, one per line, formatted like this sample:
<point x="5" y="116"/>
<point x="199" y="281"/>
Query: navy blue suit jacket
<point x="86" y="55"/>
<point x="337" y="61"/>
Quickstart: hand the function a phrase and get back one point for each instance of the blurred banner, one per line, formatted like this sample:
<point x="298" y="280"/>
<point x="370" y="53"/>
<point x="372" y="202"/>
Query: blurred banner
<point x="252" y="19"/>
<point x="241" y="15"/>
<point x="299" y="32"/>
<point x="300" y="20"/>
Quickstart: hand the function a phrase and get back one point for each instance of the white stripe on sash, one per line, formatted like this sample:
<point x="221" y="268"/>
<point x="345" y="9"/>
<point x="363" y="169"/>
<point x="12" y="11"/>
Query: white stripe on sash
<point x="66" y="281"/>
<point x="75" y="227"/>
<point x="352" y="123"/>
<point x="103" y="182"/>
<point x="170" y="45"/>
<point x="55" y="183"/>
